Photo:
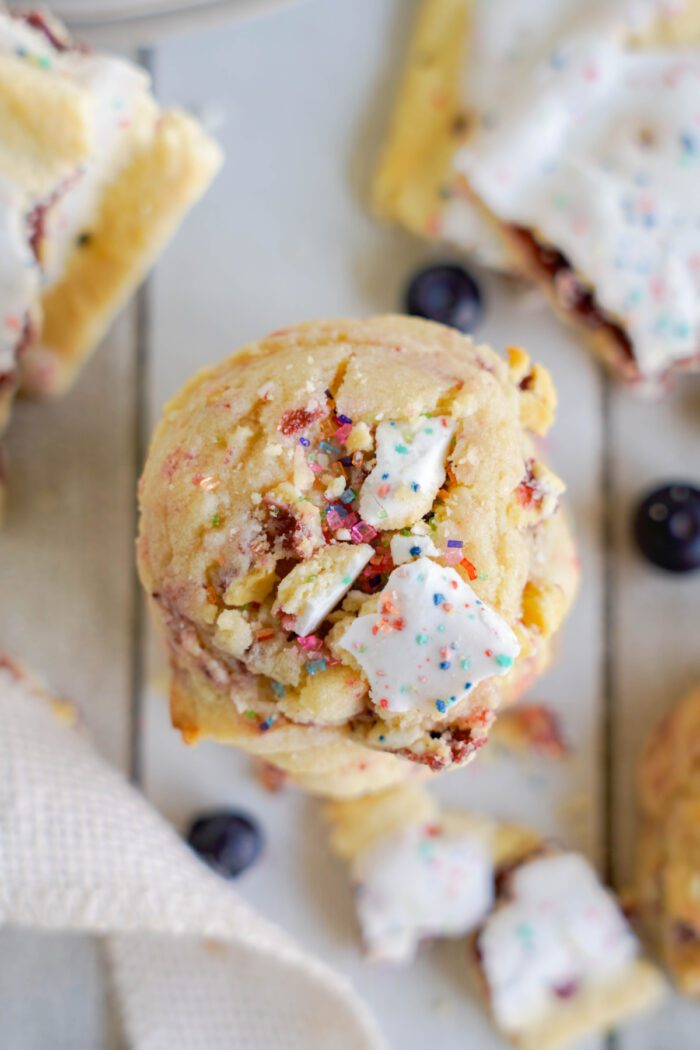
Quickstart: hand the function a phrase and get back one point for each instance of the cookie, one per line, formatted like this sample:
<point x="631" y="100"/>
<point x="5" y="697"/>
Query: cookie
<point x="419" y="872"/>
<point x="94" y="178"/>
<point x="354" y="549"/>
<point x="555" y="958"/>
<point x="483" y="153"/>
<point x="668" y="879"/>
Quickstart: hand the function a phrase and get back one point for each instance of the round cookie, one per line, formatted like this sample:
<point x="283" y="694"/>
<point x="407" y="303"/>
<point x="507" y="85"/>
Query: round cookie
<point x="354" y="549"/>
<point x="668" y="861"/>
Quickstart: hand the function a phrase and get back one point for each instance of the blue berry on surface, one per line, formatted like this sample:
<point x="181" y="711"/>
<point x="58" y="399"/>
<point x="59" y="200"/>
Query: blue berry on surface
<point x="229" y="841"/>
<point x="667" y="527"/>
<point x="446" y="293"/>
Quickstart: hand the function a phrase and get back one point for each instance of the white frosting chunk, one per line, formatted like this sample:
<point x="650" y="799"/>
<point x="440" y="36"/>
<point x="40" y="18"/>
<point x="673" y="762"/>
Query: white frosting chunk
<point x="19" y="274"/>
<point x="404" y="548"/>
<point x="596" y="149"/>
<point x="409" y="471"/>
<point x="561" y="929"/>
<point x="431" y="641"/>
<point x="315" y="586"/>
<point x="420" y="883"/>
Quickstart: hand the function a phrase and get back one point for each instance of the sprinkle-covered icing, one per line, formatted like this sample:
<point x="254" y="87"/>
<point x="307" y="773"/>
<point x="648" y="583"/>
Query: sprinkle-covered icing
<point x="405" y="548"/>
<point x="409" y="471"/>
<point x="308" y="593"/>
<point x="598" y="153"/>
<point x="18" y="38"/>
<point x="431" y="642"/>
<point x="420" y="883"/>
<point x="559" y="930"/>
<point x="19" y="275"/>
<point x="507" y="39"/>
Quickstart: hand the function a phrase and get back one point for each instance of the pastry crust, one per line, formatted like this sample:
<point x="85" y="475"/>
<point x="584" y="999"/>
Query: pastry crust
<point x="596" y="1009"/>
<point x="357" y="825"/>
<point x="45" y="126"/>
<point x="429" y="121"/>
<point x="139" y="210"/>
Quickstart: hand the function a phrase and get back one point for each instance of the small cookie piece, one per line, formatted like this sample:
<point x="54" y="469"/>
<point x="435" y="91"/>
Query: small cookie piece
<point x="556" y="958"/>
<point x="314" y="587"/>
<point x="418" y="872"/>
<point x="531" y="730"/>
<point x="668" y="878"/>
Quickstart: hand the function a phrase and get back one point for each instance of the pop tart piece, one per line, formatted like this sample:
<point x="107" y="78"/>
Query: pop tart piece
<point x="314" y="587"/>
<point x="421" y="882"/>
<point x="431" y="642"/>
<point x="557" y="956"/>
<point x="410" y="470"/>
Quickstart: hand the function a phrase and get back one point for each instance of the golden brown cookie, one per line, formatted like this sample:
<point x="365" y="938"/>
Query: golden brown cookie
<point x="668" y="878"/>
<point x="353" y="548"/>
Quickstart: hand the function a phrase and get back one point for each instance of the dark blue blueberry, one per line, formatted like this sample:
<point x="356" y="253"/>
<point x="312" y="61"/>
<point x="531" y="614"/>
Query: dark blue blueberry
<point x="448" y="294"/>
<point x="667" y="527"/>
<point x="227" y="840"/>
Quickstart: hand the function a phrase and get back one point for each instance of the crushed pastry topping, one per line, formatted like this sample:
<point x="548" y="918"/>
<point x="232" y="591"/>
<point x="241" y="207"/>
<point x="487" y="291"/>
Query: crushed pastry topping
<point x="409" y="471"/>
<point x="431" y="641"/>
<point x="314" y="587"/>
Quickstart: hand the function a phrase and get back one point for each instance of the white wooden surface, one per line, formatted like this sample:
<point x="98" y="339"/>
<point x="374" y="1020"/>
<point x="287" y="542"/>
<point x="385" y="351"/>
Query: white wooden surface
<point x="300" y="102"/>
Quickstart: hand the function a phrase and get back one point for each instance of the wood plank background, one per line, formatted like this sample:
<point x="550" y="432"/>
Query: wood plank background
<point x="300" y="103"/>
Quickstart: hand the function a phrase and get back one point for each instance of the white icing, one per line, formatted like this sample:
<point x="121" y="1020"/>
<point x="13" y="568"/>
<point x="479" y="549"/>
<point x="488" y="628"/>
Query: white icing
<point x="118" y="90"/>
<point x="404" y="548"/>
<point x="19" y="276"/>
<point x="466" y="226"/>
<point x="597" y="150"/>
<point x="17" y="37"/>
<point x="420" y="883"/>
<point x="410" y="469"/>
<point x="560" y="929"/>
<point x="431" y="642"/>
<point x="315" y="586"/>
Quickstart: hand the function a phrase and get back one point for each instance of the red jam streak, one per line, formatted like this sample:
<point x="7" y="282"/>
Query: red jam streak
<point x="573" y="295"/>
<point x="298" y="419"/>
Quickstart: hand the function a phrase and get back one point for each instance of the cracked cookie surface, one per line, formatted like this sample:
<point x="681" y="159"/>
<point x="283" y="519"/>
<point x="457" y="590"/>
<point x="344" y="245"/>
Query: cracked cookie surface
<point x="260" y="562"/>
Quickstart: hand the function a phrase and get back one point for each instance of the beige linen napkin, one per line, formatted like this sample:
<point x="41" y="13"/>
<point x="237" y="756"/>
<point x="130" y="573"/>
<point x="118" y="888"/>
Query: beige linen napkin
<point x="194" y="967"/>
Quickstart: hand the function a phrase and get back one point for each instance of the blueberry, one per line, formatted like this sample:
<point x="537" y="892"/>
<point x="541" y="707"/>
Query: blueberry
<point x="227" y="840"/>
<point x="448" y="294"/>
<point x="667" y="527"/>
